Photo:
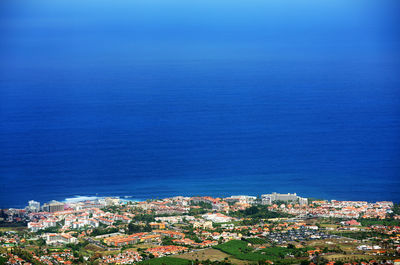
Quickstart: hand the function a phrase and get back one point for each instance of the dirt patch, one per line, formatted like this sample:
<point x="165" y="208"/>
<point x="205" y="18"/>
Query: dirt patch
<point x="141" y="246"/>
<point x="352" y="257"/>
<point x="93" y="248"/>
<point x="211" y="254"/>
<point x="15" y="229"/>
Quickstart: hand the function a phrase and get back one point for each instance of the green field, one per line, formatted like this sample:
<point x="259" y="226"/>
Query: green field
<point x="166" y="261"/>
<point x="240" y="250"/>
<point x="388" y="222"/>
<point x="359" y="235"/>
<point x="256" y="241"/>
<point x="329" y="226"/>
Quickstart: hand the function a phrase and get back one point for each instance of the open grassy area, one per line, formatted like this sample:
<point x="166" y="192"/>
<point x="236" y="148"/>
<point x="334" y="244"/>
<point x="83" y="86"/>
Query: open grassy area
<point x="109" y="252"/>
<point x="16" y="229"/>
<point x="31" y="248"/>
<point x="92" y="247"/>
<point x="213" y="255"/>
<point x="329" y="226"/>
<point x="240" y="250"/>
<point x="347" y="245"/>
<point x="344" y="257"/>
<point x="359" y="235"/>
<point x="167" y="261"/>
<point x="388" y="222"/>
<point x="3" y="250"/>
<point x="204" y="254"/>
<point x="256" y="241"/>
<point x="141" y="246"/>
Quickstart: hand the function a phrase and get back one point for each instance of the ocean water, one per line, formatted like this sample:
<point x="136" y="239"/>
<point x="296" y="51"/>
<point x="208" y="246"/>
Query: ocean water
<point x="159" y="98"/>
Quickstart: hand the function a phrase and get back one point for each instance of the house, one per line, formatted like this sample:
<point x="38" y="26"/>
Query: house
<point x="60" y="239"/>
<point x="217" y="217"/>
<point x="351" y="223"/>
<point x="157" y="225"/>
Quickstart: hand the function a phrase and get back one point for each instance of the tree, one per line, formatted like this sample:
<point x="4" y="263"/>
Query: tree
<point x="251" y="210"/>
<point x="135" y="228"/>
<point x="41" y="242"/>
<point x="305" y="262"/>
<point x="3" y="260"/>
<point x="167" y="241"/>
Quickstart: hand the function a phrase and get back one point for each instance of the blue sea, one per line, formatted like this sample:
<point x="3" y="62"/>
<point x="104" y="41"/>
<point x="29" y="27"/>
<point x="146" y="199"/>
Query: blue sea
<point x="157" y="98"/>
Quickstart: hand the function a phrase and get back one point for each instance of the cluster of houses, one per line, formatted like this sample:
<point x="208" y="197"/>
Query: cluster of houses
<point x="44" y="222"/>
<point x="217" y="217"/>
<point x="339" y="209"/>
<point x="190" y="242"/>
<point x="155" y="237"/>
<point x="15" y="259"/>
<point x="60" y="257"/>
<point x="160" y="251"/>
<point x="181" y="205"/>
<point x="205" y="228"/>
<point x="123" y="240"/>
<point x="80" y="215"/>
<point x="10" y="239"/>
<point x="60" y="238"/>
<point x="295" y="235"/>
<point x="127" y="257"/>
<point x="166" y="206"/>
<point x="184" y="219"/>
<point x="392" y="231"/>
<point x="75" y="219"/>
<point x="225" y="235"/>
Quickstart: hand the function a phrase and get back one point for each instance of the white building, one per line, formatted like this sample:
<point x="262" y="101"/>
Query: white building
<point x="270" y="198"/>
<point x="60" y="239"/>
<point x="203" y="225"/>
<point x="217" y="217"/>
<point x="34" y="227"/>
<point x="33" y="206"/>
<point x="109" y="201"/>
<point x="303" y="201"/>
<point x="242" y="199"/>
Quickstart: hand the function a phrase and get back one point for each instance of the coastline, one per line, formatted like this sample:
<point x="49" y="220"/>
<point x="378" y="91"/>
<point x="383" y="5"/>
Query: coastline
<point x="131" y="198"/>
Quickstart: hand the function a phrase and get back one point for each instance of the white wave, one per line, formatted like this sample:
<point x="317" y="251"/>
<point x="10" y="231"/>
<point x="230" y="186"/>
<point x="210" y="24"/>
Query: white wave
<point x="79" y="198"/>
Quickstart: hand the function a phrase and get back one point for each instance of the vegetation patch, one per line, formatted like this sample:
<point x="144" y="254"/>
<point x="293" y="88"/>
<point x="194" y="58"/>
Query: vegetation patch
<point x="260" y="212"/>
<point x="361" y="235"/>
<point x="256" y="241"/>
<point x="240" y="250"/>
<point x="204" y="254"/>
<point x="92" y="247"/>
<point x="166" y="260"/>
<point x="386" y="222"/>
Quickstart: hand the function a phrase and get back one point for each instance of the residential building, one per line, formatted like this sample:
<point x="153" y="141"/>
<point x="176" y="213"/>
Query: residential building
<point x="53" y="206"/>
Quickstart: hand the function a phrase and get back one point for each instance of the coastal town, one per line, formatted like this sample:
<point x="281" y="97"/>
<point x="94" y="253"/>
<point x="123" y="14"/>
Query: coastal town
<point x="267" y="229"/>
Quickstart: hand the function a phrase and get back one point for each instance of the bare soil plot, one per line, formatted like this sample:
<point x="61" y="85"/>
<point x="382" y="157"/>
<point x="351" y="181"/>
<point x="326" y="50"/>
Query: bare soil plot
<point x="211" y="254"/>
<point x="141" y="246"/>
<point x="93" y="248"/>
<point x="16" y="229"/>
<point x="344" y="257"/>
